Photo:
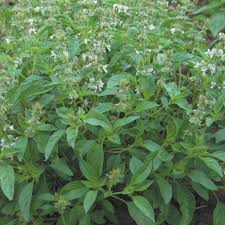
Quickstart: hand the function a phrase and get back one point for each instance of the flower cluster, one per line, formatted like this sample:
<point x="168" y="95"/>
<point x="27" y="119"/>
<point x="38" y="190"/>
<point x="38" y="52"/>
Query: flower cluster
<point x="206" y="68"/>
<point x="219" y="53"/>
<point x="120" y="8"/>
<point x="95" y="85"/>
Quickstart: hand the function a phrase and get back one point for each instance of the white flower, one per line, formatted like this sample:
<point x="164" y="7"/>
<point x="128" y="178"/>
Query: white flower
<point x="8" y="41"/>
<point x="151" y="27"/>
<point x="66" y="53"/>
<point x="120" y="8"/>
<point x="221" y="36"/>
<point x="204" y="67"/>
<point x="216" y="52"/>
<point x="86" y="40"/>
<point x="39" y="9"/>
<point x="2" y="142"/>
<point x="149" y="71"/>
<point x="11" y="127"/>
<point x="212" y="68"/>
<point x="212" y="84"/>
<point x="198" y="65"/>
<point x="73" y="95"/>
<point x="137" y="90"/>
<point x="211" y="53"/>
<point x="104" y="67"/>
<point x="100" y="85"/>
<point x="221" y="54"/>
<point x="108" y="47"/>
<point x="53" y="55"/>
<point x="96" y="86"/>
<point x="32" y="31"/>
<point x="18" y="62"/>
<point x="173" y="30"/>
<point x="31" y="21"/>
<point x="86" y="103"/>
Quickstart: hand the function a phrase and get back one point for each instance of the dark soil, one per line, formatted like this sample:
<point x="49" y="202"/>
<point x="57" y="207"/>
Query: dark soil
<point x="123" y="216"/>
<point x="202" y="2"/>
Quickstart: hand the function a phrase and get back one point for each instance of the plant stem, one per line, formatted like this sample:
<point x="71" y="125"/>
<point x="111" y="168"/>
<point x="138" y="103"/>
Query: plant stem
<point x="118" y="198"/>
<point x="180" y="74"/>
<point x="63" y="219"/>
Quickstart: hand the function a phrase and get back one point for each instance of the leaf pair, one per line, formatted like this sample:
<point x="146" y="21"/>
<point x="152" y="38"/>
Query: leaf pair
<point x="141" y="211"/>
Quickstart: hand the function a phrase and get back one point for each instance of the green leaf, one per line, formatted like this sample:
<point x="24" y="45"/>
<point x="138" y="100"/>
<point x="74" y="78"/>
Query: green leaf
<point x="173" y="217"/>
<point x="60" y="166"/>
<point x="21" y="145"/>
<point x="63" y="112"/>
<point x="182" y="103"/>
<point x="171" y="89"/>
<point x="88" y="171"/>
<point x="199" y="177"/>
<point x="89" y="200"/>
<point x="116" y="79"/>
<point x="144" y="205"/>
<point x="85" y="220"/>
<point x="182" y="56"/>
<point x="151" y="146"/>
<point x="108" y="91"/>
<point x="52" y="141"/>
<point x="73" y="47"/>
<point x="141" y="174"/>
<point x="217" y="22"/>
<point x="125" y="121"/>
<point x="148" y="87"/>
<point x="108" y="206"/>
<point x="219" y="214"/>
<point x="165" y="189"/>
<point x="220" y="135"/>
<point x="186" y="201"/>
<point x="135" y="164"/>
<point x="219" y="155"/>
<point x="98" y="119"/>
<point x="25" y="200"/>
<point x="7" y="179"/>
<point x="145" y="105"/>
<point x="115" y="138"/>
<point x="83" y="146"/>
<point x="46" y="127"/>
<point x="163" y="214"/>
<point x="214" y="165"/>
<point x="95" y="157"/>
<point x="72" y="134"/>
<point x="73" y="190"/>
<point x="201" y="191"/>
<point x="103" y="107"/>
<point x="138" y="216"/>
<point x="132" y="32"/>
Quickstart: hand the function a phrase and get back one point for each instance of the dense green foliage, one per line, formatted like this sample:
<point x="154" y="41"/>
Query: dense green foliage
<point x="111" y="101"/>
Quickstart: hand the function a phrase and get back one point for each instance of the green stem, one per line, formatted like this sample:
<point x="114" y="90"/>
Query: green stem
<point x="180" y="74"/>
<point x="33" y="66"/>
<point x="156" y="112"/>
<point x="118" y="198"/>
<point x="63" y="219"/>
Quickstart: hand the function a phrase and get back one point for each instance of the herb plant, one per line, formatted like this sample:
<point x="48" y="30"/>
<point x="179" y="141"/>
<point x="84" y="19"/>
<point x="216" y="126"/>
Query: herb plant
<point x="110" y="102"/>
